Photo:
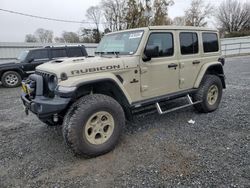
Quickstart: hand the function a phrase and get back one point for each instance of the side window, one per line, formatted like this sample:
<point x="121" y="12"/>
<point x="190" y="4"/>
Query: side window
<point x="164" y="41"/>
<point x="210" y="42"/>
<point x="58" y="53"/>
<point x="75" y="52"/>
<point x="189" y="43"/>
<point x="39" y="54"/>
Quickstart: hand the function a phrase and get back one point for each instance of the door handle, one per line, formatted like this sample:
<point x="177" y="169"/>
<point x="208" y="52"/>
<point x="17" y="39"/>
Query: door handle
<point x="196" y="62"/>
<point x="172" y="65"/>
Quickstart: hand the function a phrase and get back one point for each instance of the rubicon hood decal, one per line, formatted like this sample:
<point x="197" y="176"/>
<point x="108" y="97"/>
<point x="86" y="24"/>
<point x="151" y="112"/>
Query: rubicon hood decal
<point x="95" y="69"/>
<point x="73" y="67"/>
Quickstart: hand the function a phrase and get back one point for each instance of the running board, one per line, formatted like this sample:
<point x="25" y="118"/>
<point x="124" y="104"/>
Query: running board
<point x="190" y="103"/>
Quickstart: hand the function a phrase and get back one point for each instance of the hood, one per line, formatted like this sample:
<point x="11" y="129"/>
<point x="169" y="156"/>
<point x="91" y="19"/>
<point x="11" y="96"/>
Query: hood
<point x="79" y="66"/>
<point x="9" y="64"/>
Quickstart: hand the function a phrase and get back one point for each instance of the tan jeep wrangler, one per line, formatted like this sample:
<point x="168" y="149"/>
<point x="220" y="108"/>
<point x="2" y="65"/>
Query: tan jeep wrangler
<point x="132" y="69"/>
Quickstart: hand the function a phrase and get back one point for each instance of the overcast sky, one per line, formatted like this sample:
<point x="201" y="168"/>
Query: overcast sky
<point x="15" y="27"/>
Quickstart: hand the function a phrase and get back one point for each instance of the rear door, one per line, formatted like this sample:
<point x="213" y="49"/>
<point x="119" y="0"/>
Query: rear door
<point x="190" y="58"/>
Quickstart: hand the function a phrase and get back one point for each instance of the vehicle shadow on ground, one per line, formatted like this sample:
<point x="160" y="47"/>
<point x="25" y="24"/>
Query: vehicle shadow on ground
<point x="142" y="124"/>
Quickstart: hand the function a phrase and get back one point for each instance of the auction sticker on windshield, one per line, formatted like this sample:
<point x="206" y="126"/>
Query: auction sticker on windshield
<point x="135" y="35"/>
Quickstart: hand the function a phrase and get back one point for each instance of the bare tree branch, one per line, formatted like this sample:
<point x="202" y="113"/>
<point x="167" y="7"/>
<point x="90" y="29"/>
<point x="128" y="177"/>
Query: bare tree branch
<point x="197" y="14"/>
<point x="233" y="16"/>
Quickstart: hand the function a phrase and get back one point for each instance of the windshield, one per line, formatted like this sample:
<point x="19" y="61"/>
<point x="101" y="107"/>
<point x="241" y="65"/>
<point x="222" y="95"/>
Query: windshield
<point x="22" y="56"/>
<point x="123" y="43"/>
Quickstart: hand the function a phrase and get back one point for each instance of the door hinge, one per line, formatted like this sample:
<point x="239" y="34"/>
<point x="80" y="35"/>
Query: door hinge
<point x="143" y="70"/>
<point x="182" y="65"/>
<point x="182" y="81"/>
<point x="144" y="87"/>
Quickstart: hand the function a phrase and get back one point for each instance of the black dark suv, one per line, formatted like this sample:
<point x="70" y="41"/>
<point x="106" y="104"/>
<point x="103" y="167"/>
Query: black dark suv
<point x="12" y="73"/>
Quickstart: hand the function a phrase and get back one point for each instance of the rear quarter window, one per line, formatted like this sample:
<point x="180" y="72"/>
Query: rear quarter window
<point x="210" y="42"/>
<point x="75" y="52"/>
<point x="58" y="53"/>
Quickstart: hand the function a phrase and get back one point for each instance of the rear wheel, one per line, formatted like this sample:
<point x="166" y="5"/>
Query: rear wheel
<point x="210" y="93"/>
<point x="11" y="79"/>
<point x="93" y="125"/>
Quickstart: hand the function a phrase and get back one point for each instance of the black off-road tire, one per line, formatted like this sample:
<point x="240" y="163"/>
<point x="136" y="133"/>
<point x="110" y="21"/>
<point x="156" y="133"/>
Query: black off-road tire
<point x="17" y="79"/>
<point x="202" y="94"/>
<point x="76" y="120"/>
<point x="66" y="120"/>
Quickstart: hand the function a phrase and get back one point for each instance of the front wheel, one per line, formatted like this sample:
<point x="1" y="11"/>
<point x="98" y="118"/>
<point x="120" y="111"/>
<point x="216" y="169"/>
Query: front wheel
<point x="11" y="79"/>
<point x="93" y="125"/>
<point x="210" y="93"/>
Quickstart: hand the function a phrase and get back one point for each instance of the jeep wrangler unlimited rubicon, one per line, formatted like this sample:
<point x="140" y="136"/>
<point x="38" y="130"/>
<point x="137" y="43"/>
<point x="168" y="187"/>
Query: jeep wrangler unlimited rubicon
<point x="92" y="97"/>
<point x="11" y="74"/>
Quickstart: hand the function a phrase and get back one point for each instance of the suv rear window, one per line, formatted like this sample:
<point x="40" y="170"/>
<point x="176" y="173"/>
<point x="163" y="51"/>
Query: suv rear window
<point x="58" y="53"/>
<point x="210" y="42"/>
<point x="189" y="43"/>
<point x="75" y="52"/>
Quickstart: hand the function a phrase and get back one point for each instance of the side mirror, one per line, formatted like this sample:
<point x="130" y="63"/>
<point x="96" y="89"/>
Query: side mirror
<point x="150" y="52"/>
<point x="30" y="60"/>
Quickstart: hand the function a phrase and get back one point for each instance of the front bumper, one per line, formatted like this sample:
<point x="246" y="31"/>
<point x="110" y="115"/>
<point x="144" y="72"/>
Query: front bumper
<point x="39" y="104"/>
<point x="43" y="106"/>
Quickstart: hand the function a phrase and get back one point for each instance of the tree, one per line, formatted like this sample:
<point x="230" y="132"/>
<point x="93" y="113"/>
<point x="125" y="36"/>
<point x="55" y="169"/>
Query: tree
<point x="107" y="30"/>
<point x="59" y="40"/>
<point x="233" y="16"/>
<point x="197" y="14"/>
<point x="44" y="36"/>
<point x="114" y="14"/>
<point x="160" y="9"/>
<point x="30" y="38"/>
<point x="94" y="14"/>
<point x="179" y="21"/>
<point x="70" y="37"/>
<point x="134" y="14"/>
<point x="88" y="35"/>
<point x="125" y="14"/>
<point x="148" y="13"/>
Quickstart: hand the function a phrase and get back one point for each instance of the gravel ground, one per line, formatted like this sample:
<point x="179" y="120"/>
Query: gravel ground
<point x="154" y="151"/>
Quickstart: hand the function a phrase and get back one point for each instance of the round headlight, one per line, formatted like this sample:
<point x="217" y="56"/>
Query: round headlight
<point x="64" y="76"/>
<point x="52" y="82"/>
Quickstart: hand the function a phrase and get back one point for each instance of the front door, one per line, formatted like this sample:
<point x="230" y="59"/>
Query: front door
<point x="35" y="58"/>
<point x="160" y="75"/>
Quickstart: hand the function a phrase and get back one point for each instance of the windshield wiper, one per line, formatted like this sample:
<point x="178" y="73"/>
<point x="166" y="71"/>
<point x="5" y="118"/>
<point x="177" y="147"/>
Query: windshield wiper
<point x="116" y="53"/>
<point x="99" y="52"/>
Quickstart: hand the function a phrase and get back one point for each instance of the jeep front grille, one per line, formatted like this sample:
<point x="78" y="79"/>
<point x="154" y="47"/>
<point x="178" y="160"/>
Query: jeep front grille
<point x="43" y="74"/>
<point x="46" y="91"/>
